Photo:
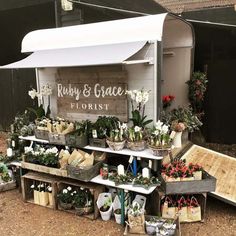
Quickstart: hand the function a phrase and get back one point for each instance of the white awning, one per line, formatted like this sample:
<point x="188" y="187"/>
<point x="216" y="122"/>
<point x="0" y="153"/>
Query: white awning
<point x="80" y="56"/>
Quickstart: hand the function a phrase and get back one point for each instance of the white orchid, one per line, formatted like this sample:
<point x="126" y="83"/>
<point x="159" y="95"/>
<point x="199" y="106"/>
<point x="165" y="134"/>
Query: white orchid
<point x="158" y="125"/>
<point x="32" y="93"/>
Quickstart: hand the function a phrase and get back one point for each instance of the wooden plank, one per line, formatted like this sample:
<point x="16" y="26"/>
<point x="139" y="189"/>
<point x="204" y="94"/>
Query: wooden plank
<point x="94" y="91"/>
<point x="7" y="186"/>
<point x="219" y="165"/>
<point x="44" y="169"/>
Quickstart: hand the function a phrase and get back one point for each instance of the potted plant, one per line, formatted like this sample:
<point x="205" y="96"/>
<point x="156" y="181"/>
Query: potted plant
<point x="151" y="225"/>
<point x="196" y="170"/>
<point x="34" y="188"/>
<point x="145" y="182"/>
<point x="178" y="128"/>
<point x="49" y="191"/>
<point x="101" y="129"/>
<point x="116" y="140"/>
<point x="136" y="219"/>
<point x="136" y="139"/>
<point x="83" y="201"/>
<point x="104" y="204"/>
<point x="66" y="197"/>
<point x="167" y="101"/>
<point x="160" y="139"/>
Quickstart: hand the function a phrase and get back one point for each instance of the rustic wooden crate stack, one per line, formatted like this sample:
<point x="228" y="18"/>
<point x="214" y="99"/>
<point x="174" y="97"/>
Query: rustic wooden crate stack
<point x="57" y="184"/>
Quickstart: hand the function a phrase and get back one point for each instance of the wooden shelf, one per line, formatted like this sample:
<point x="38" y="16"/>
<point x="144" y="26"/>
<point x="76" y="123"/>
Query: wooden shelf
<point x="98" y="179"/>
<point x="147" y="153"/>
<point x="33" y="139"/>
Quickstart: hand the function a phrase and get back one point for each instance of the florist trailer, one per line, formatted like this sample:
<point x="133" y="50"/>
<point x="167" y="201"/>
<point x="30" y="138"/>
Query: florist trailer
<point x="90" y="66"/>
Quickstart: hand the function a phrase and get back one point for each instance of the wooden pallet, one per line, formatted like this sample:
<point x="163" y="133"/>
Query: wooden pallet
<point x="221" y="166"/>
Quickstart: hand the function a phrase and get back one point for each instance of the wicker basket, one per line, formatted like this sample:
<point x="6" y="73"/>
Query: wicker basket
<point x="41" y="134"/>
<point x="136" y="146"/>
<point x="160" y="151"/>
<point x="115" y="146"/>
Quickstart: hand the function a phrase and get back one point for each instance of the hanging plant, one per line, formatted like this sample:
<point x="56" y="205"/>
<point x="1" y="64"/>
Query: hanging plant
<point x="197" y="88"/>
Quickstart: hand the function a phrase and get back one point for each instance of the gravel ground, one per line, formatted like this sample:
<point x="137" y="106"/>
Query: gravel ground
<point x="24" y="219"/>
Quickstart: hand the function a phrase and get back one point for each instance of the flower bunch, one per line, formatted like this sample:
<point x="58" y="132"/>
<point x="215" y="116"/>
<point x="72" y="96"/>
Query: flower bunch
<point x="160" y="136"/>
<point x="45" y="91"/>
<point x="177" y="126"/>
<point x="42" y="156"/>
<point x="179" y="169"/>
<point x="82" y="198"/>
<point x="167" y="100"/>
<point x="118" y="135"/>
<point x="135" y="134"/>
<point x="138" y="99"/>
<point x="135" y="209"/>
<point x="66" y="195"/>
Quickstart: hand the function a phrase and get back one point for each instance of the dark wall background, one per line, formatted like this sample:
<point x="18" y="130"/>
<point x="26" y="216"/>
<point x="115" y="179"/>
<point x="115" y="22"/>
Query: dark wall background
<point x="216" y="52"/>
<point x="14" y="84"/>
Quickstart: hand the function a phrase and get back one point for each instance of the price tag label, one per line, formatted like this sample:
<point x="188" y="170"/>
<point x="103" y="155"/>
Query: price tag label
<point x="131" y="158"/>
<point x="94" y="133"/>
<point x="150" y="164"/>
<point x="139" y="158"/>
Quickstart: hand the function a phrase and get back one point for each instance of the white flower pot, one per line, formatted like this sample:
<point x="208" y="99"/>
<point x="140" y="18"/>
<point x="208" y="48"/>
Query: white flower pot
<point x="106" y="215"/>
<point x="118" y="218"/>
<point x="177" y="141"/>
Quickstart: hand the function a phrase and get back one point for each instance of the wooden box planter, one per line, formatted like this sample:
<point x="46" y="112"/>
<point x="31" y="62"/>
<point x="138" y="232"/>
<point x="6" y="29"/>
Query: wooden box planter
<point x="43" y="169"/>
<point x="207" y="184"/>
<point x="7" y="186"/>
<point x="73" y="140"/>
<point x="147" y="217"/>
<point x="27" y="193"/>
<point x="98" y="142"/>
<point x="58" y="139"/>
<point x="97" y="189"/>
<point x="41" y="134"/>
<point x="85" y="174"/>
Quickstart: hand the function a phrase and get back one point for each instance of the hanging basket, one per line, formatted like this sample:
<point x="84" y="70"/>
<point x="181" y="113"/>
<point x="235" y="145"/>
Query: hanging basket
<point x="115" y="146"/>
<point x="136" y="146"/>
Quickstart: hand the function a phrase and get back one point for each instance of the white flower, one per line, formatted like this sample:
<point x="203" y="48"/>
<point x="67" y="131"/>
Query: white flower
<point x="49" y="188"/>
<point x="36" y="153"/>
<point x="69" y="188"/>
<point x="32" y="186"/>
<point x="137" y="129"/>
<point x="46" y="90"/>
<point x="139" y="97"/>
<point x="74" y="192"/>
<point x="28" y="149"/>
<point x="165" y="129"/>
<point x="124" y="126"/>
<point x="81" y="188"/>
<point x="156" y="132"/>
<point x="65" y="191"/>
<point x="32" y="93"/>
<point x="159" y="125"/>
<point x="145" y="97"/>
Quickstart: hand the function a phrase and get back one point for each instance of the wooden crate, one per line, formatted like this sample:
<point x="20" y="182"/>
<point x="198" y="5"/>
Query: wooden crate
<point x="147" y="217"/>
<point x="158" y="195"/>
<point x="41" y="134"/>
<point x="7" y="186"/>
<point x="28" y="179"/>
<point x="98" y="142"/>
<point x="59" y="139"/>
<point x="73" y="140"/>
<point x="97" y="189"/>
<point x="207" y="184"/>
<point x="43" y="169"/>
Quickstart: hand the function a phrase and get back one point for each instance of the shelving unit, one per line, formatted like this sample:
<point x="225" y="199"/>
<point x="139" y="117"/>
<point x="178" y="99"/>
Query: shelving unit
<point x="147" y="154"/>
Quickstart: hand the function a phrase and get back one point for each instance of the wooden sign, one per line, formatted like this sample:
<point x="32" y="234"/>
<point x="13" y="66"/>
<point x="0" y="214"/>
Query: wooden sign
<point x="86" y="93"/>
